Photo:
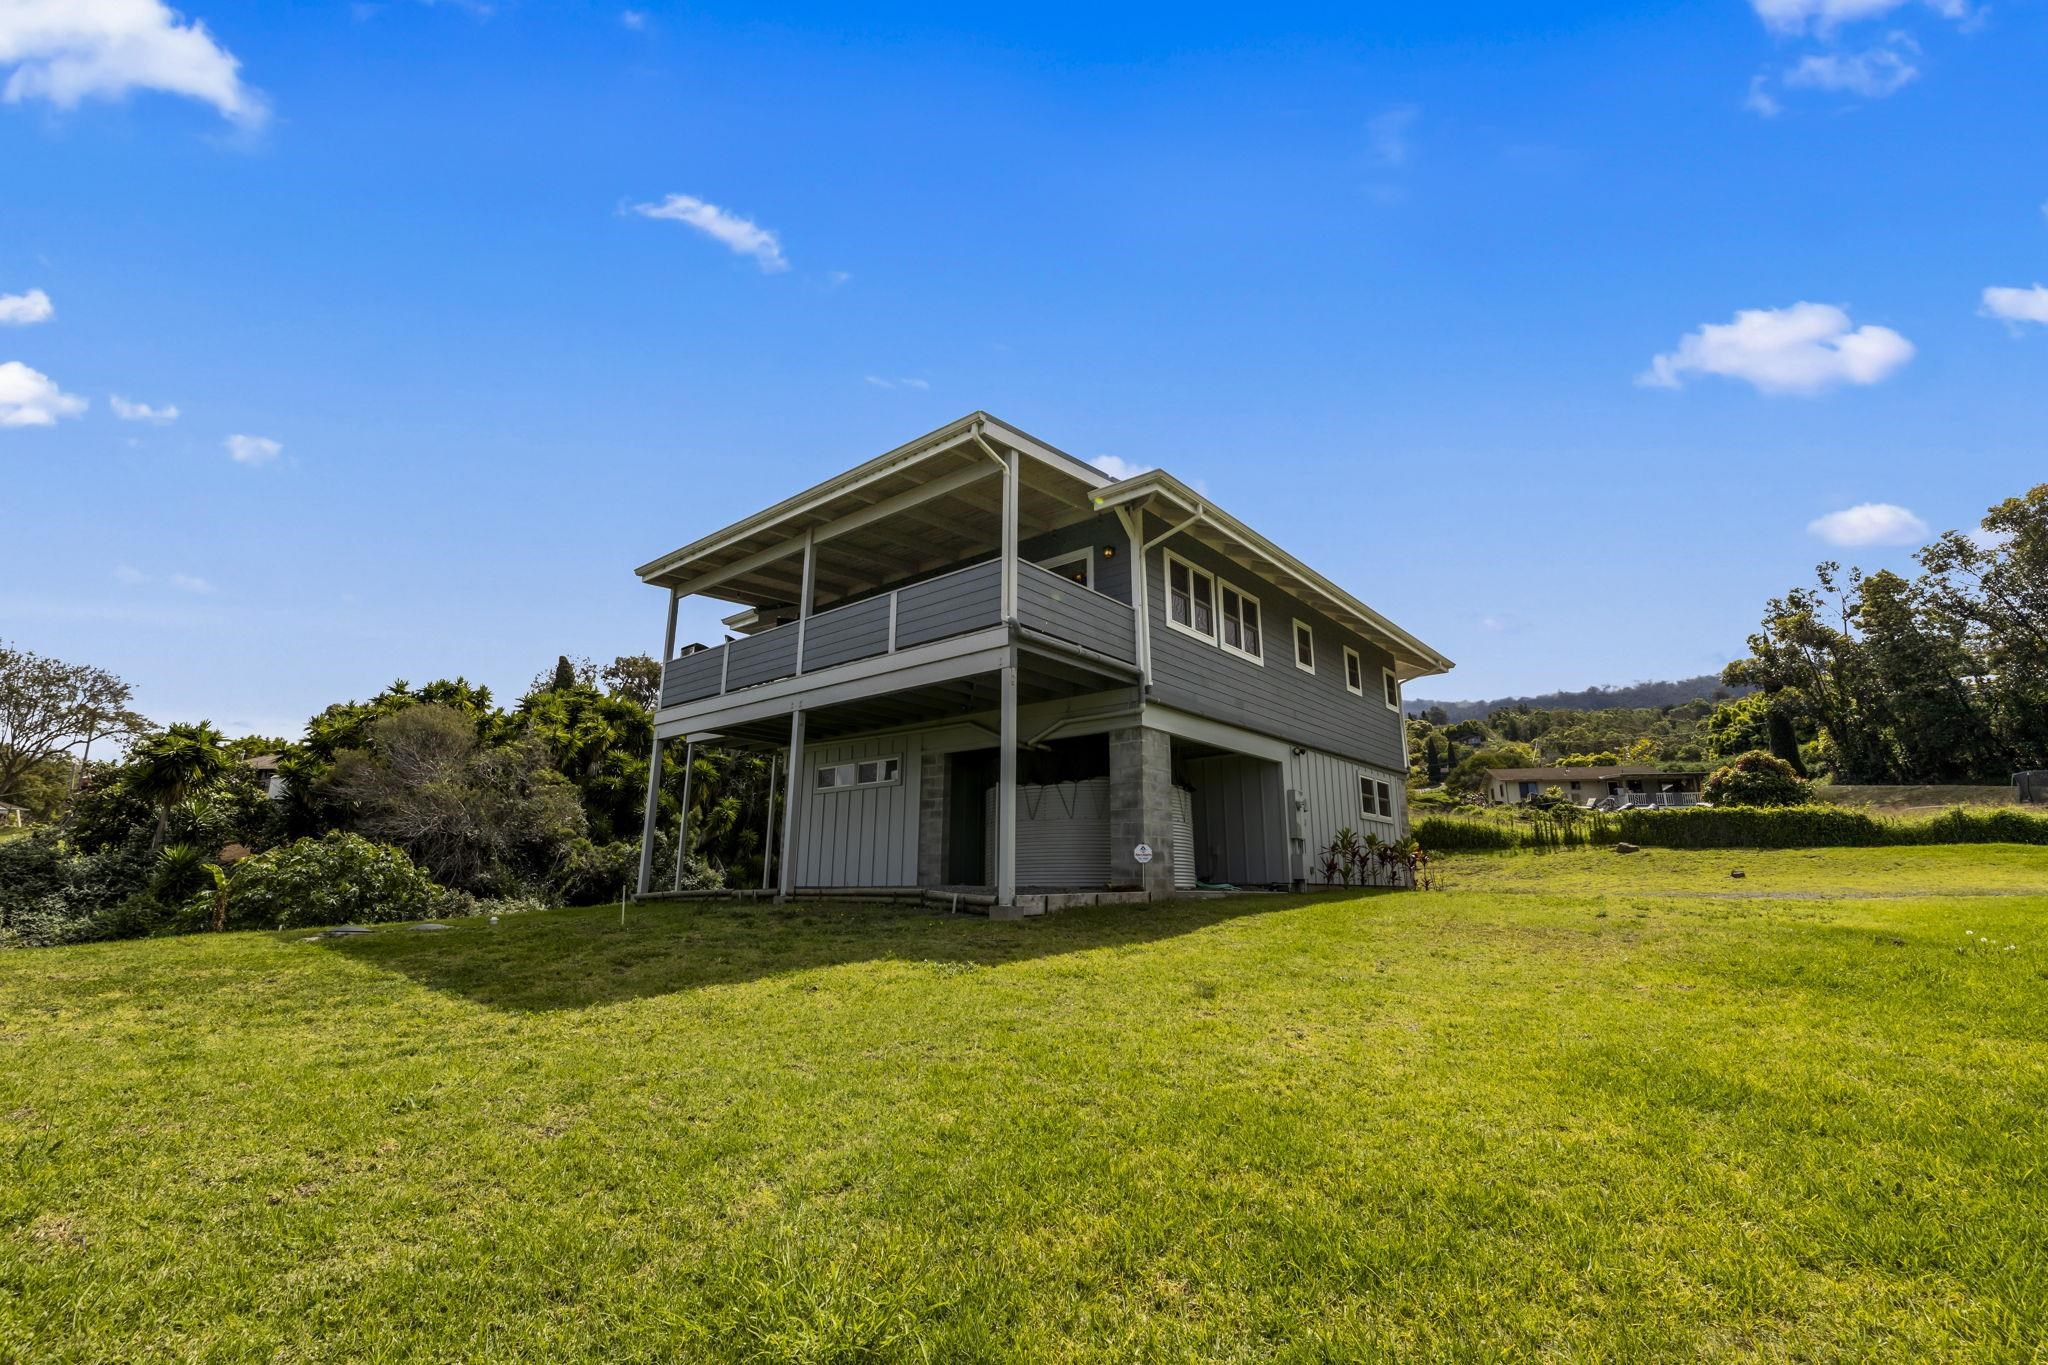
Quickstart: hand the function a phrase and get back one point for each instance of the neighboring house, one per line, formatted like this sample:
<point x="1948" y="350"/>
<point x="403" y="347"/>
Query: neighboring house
<point x="1637" y="784"/>
<point x="267" y="775"/>
<point x="942" y="646"/>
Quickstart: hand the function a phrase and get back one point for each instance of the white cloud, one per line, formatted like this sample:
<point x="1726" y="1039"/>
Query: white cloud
<point x="1802" y="349"/>
<point x="20" y="310"/>
<point x="185" y="582"/>
<point x="741" y="235"/>
<point x="1870" y="523"/>
<point x="879" y="382"/>
<point x="2017" y="305"/>
<point x="29" y="398"/>
<point x="142" y="412"/>
<point x="1760" y="101"/>
<point x="128" y="573"/>
<point x="1388" y="134"/>
<point x="635" y="19"/>
<point x="1825" y="16"/>
<point x="1873" y="74"/>
<point x="68" y="51"/>
<point x="251" y="449"/>
<point x="1118" y="467"/>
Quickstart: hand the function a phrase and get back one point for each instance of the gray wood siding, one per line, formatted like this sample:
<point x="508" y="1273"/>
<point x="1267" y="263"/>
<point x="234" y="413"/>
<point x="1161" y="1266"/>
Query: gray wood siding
<point x="1328" y="787"/>
<point x="1062" y="608"/>
<point x="844" y="634"/>
<point x="860" y="836"/>
<point x="1099" y="533"/>
<point x="762" y="658"/>
<point x="1274" y="698"/>
<point x="1240" y="812"/>
<point x="692" y="677"/>
<point x="953" y="605"/>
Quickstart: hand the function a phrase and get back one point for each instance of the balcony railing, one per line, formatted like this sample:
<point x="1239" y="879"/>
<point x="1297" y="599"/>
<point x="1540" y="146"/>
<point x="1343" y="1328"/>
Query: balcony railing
<point x="955" y="603"/>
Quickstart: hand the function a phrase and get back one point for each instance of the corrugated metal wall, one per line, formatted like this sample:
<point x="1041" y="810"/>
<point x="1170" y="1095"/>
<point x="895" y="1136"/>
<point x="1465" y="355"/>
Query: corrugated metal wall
<point x="1329" y="787"/>
<point x="860" y="836"/>
<point x="1240" y="820"/>
<point x="1062" y="834"/>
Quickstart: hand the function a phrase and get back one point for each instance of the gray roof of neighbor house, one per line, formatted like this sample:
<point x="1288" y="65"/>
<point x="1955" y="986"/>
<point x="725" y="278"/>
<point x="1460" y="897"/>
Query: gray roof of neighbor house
<point x="941" y="487"/>
<point x="1597" y="774"/>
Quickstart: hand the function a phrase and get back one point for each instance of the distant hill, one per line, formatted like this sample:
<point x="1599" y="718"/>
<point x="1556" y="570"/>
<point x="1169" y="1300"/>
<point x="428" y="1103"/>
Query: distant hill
<point x="1708" y="686"/>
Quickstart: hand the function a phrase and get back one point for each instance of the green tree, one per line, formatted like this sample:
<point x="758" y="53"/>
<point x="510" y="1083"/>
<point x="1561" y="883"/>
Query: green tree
<point x="168" y="768"/>
<point x="1756" y="778"/>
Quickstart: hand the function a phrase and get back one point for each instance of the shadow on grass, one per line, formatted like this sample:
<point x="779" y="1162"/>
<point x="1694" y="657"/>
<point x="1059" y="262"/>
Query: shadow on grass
<point x="576" y="959"/>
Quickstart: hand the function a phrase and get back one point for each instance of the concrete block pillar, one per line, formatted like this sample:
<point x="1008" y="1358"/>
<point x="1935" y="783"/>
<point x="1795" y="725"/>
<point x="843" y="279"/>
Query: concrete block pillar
<point x="933" y="794"/>
<point x="1141" y="808"/>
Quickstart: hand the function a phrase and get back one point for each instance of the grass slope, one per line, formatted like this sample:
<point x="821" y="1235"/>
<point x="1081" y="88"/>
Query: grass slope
<point x="1606" y="1119"/>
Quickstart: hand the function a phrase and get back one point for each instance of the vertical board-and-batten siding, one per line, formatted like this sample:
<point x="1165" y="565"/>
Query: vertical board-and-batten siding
<point x="1328" y="788"/>
<point x="1240" y="820"/>
<point x="860" y="836"/>
<point x="1276" y="698"/>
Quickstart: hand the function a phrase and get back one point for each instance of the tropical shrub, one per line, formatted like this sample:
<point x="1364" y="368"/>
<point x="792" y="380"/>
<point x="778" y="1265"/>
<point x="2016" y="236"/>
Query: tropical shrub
<point x="335" y="879"/>
<point x="1809" y="826"/>
<point x="1757" y="778"/>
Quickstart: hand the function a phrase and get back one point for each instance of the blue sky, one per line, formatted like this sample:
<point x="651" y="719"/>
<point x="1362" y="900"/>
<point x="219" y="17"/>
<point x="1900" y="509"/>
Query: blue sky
<point x="1390" y="282"/>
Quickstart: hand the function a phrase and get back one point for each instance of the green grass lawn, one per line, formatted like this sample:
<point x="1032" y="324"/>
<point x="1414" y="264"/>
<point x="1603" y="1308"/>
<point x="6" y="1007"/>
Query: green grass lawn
<point x="1569" y="1107"/>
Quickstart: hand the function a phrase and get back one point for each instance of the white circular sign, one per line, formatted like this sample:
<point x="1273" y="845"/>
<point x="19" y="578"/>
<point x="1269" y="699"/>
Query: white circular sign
<point x="1143" y="853"/>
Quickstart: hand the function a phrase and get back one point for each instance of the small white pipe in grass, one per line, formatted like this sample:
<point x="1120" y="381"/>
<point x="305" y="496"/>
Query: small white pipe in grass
<point x="622" y="905"/>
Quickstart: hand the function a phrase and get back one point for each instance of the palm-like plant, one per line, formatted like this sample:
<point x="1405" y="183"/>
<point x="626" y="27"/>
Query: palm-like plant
<point x="167" y="768"/>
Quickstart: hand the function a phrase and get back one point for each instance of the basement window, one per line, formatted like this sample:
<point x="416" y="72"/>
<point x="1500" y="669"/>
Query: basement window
<point x="866" y="772"/>
<point x="1375" y="799"/>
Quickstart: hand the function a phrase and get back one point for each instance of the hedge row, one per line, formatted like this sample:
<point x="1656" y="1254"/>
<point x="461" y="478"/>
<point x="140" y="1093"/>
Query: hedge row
<point x="1813" y="826"/>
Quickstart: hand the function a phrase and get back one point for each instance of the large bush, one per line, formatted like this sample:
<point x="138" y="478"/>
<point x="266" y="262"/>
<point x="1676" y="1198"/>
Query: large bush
<point x="1810" y="826"/>
<point x="1757" y="778"/>
<point x="335" y="879"/>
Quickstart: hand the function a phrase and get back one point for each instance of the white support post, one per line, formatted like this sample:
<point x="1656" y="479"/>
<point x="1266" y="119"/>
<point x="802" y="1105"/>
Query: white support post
<point x="1006" y="790"/>
<point x="647" y="825"/>
<point x="683" y="824"/>
<point x="1141" y="592"/>
<point x="768" y="832"/>
<point x="803" y="606"/>
<point x="1010" y="535"/>
<point x="892" y="622"/>
<point x="792" y="804"/>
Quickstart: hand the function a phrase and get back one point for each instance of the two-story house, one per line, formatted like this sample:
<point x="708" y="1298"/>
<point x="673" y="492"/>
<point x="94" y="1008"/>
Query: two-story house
<point x="985" y="664"/>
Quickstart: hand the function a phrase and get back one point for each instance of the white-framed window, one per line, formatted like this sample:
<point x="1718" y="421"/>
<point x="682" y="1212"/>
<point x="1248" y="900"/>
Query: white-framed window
<point x="1392" y="688"/>
<point x="1190" y="599"/>
<point x="1239" y="616"/>
<point x="1304" y="647"/>
<point x="1354" y="672"/>
<point x="1078" y="567"/>
<point x="861" y="772"/>
<point x="1375" y="799"/>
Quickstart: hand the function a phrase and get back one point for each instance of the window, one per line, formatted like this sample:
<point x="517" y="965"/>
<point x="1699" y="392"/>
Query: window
<point x="1241" y="625"/>
<point x="867" y="772"/>
<point x="1375" y="798"/>
<point x="1393" y="689"/>
<point x="1079" y="567"/>
<point x="1304" y="647"/>
<point x="1190" y="598"/>
<point x="1354" y="672"/>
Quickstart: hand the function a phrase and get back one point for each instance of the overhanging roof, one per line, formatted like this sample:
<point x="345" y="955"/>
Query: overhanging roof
<point x="925" y="505"/>
<point x="1166" y="497"/>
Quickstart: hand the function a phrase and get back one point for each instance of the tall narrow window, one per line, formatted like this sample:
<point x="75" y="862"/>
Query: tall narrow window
<point x="1190" y="598"/>
<point x="1354" y="672"/>
<point x="1393" y="689"/>
<point x="1304" y="647"/>
<point x="1241" y="625"/>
